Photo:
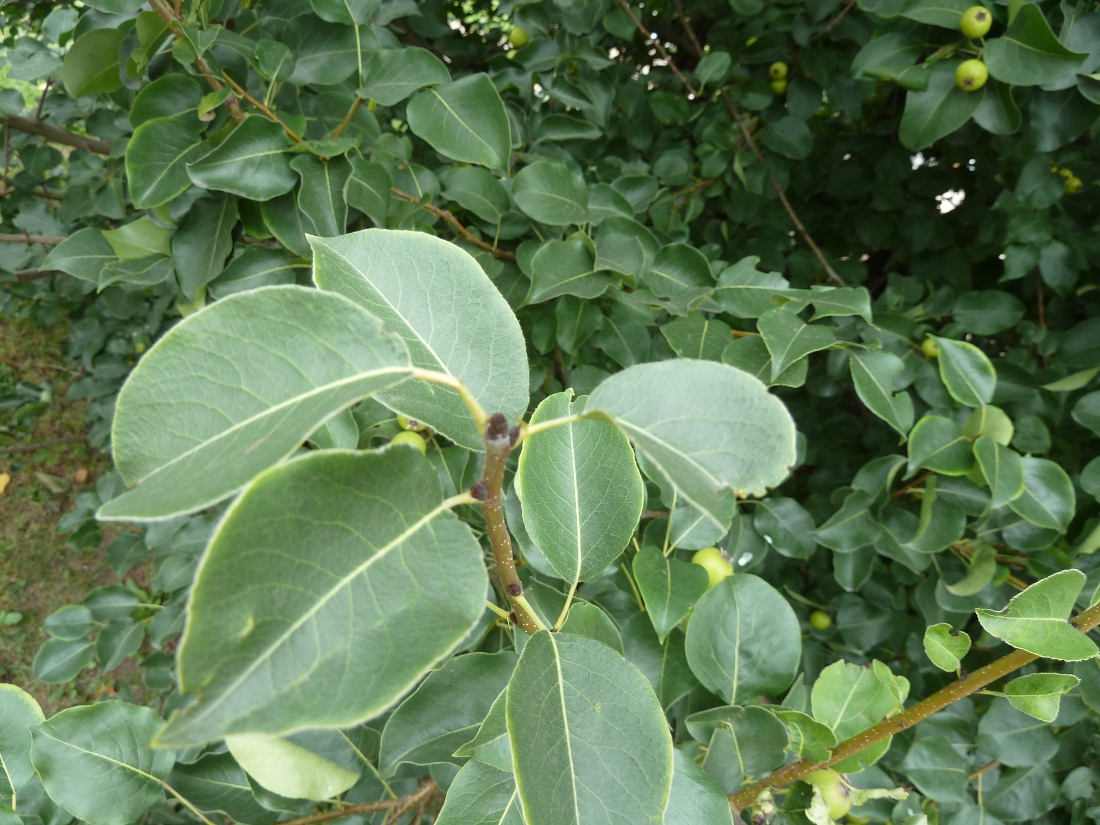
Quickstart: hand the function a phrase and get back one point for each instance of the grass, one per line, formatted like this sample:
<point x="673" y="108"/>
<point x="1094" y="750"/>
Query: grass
<point x="39" y="573"/>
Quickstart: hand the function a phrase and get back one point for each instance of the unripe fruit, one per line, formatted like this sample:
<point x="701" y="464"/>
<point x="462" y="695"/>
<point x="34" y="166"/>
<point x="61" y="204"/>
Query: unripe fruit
<point x="779" y="87"/>
<point x="833" y="790"/>
<point x="1074" y="185"/>
<point x="778" y="70"/>
<point x="820" y="620"/>
<point x="406" y="423"/>
<point x="971" y="75"/>
<point x="976" y="22"/>
<point x="712" y="560"/>
<point x="139" y="348"/>
<point x="518" y="37"/>
<point x="929" y="348"/>
<point x="372" y="105"/>
<point x="991" y="421"/>
<point x="412" y="439"/>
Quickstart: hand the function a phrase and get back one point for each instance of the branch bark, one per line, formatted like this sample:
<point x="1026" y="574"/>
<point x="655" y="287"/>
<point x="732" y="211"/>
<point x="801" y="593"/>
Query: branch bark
<point x="25" y="275"/>
<point x="398" y="807"/>
<point x="47" y="240"/>
<point x="55" y="134"/>
<point x="977" y="680"/>
<point x="449" y="217"/>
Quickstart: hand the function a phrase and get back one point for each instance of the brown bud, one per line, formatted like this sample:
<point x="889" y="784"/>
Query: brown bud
<point x="497" y="426"/>
<point x="513" y="436"/>
<point x="515" y="589"/>
<point x="479" y="491"/>
<point x="513" y="617"/>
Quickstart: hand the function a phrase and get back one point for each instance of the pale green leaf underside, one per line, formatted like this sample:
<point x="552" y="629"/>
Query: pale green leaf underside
<point x="437" y="299"/>
<point x="481" y="795"/>
<point x="713" y="430"/>
<point x="331" y="586"/>
<point x="18" y="710"/>
<point x="235" y="388"/>
<point x="288" y="769"/>
<point x="1036" y="620"/>
<point x="590" y="743"/>
<point x="582" y="493"/>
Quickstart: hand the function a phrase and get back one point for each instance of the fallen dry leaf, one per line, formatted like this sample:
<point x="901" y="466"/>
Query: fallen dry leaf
<point x="4" y="479"/>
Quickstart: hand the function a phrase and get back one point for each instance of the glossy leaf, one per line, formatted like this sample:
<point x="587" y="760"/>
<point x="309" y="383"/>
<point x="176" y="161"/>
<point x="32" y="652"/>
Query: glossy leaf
<point x="550" y="193"/>
<point x="1048" y="499"/>
<point x="18" y="713"/>
<point x="938" y="110"/>
<point x="289" y="769"/>
<point x="445" y="711"/>
<point x="1040" y="694"/>
<point x="944" y="648"/>
<point x="788" y="339"/>
<point x="848" y="698"/>
<point x="391" y="75"/>
<point x="694" y="798"/>
<point x="156" y="160"/>
<point x="464" y="121"/>
<point x="1028" y="53"/>
<point x="743" y="639"/>
<point x="217" y="783"/>
<point x="188" y="437"/>
<point x="582" y="493"/>
<point x="1035" y="620"/>
<point x="466" y="330"/>
<point x="1003" y="470"/>
<point x="711" y="429"/>
<point x="937" y="444"/>
<point x="966" y="372"/>
<point x="937" y="769"/>
<point x="379" y="533"/>
<point x="670" y="588"/>
<point x="873" y="374"/>
<point x="96" y="763"/>
<point x="252" y="162"/>
<point x="588" y="736"/>
<point x="664" y="664"/>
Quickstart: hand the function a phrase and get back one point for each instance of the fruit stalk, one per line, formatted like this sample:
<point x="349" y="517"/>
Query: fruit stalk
<point x="955" y="691"/>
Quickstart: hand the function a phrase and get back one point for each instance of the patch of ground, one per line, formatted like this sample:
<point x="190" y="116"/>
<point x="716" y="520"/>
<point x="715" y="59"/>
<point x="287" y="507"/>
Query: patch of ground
<point x="39" y="572"/>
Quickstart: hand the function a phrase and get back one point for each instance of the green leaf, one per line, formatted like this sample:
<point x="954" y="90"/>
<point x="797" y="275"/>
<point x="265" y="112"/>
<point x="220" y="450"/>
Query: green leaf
<point x="477" y="191"/>
<point x="1036" y="619"/>
<point x="1003" y="470"/>
<point x="746" y="743"/>
<point x="873" y="374"/>
<point x="1028" y="53"/>
<point x="944" y="648"/>
<point x="938" y="110"/>
<point x="156" y="160"/>
<point x="697" y="336"/>
<point x="481" y="795"/>
<point x="788" y="136"/>
<point x="252" y="162"/>
<point x="937" y="444"/>
<point x="83" y="255"/>
<point x="565" y="268"/>
<point x="1012" y="737"/>
<point x="664" y="664"/>
<point x="255" y="267"/>
<point x="466" y="330"/>
<point x="139" y="239"/>
<point x="18" y="713"/>
<point x="174" y="95"/>
<point x="937" y="769"/>
<point x="851" y="527"/>
<point x="321" y="195"/>
<point x="1086" y="411"/>
<point x="849" y="698"/>
<point x="464" y="121"/>
<point x="789" y="340"/>
<point x="445" y="711"/>
<point x="91" y="64"/>
<point x="941" y="522"/>
<point x="809" y="739"/>
<point x="328" y="53"/>
<point x="966" y="372"/>
<point x="351" y="12"/>
<point x="387" y="558"/>
<point x="216" y="783"/>
<point x="679" y="270"/>
<point x="998" y="113"/>
<point x="96" y="763"/>
<point x="743" y="639"/>
<point x="368" y="189"/>
<point x="147" y="271"/>
<point x="551" y="193"/>
<point x="786" y="526"/>
<point x="190" y="436"/>
<point x="391" y="75"/>
<point x="1040" y="694"/>
<point x="74" y="621"/>
<point x="61" y="660"/>
<point x="694" y="798"/>
<point x="589" y="739"/>
<point x="744" y="292"/>
<point x="1048" y="499"/>
<point x="712" y="430"/>
<point x="943" y="13"/>
<point x="289" y="769"/>
<point x="203" y="242"/>
<point x="982" y="569"/>
<point x="670" y="588"/>
<point x="591" y="622"/>
<point x="581" y="491"/>
<point x="1023" y="794"/>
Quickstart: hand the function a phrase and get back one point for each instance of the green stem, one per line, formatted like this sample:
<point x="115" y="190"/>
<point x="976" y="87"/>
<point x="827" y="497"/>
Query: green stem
<point x="977" y="680"/>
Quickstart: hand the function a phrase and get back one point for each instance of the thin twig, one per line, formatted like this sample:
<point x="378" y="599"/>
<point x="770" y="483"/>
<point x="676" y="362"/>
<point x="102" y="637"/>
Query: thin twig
<point x="400" y="806"/>
<point x="23" y="276"/>
<point x="42" y="100"/>
<point x="656" y="41"/>
<point x="26" y="237"/>
<point x="449" y="217"/>
<point x="242" y="92"/>
<point x="347" y="118"/>
<point x="55" y="134"/>
<point x="955" y="691"/>
<point x="836" y="20"/>
<point x="687" y="28"/>
<point x="1042" y="308"/>
<point x="983" y="769"/>
<point x="30" y="448"/>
